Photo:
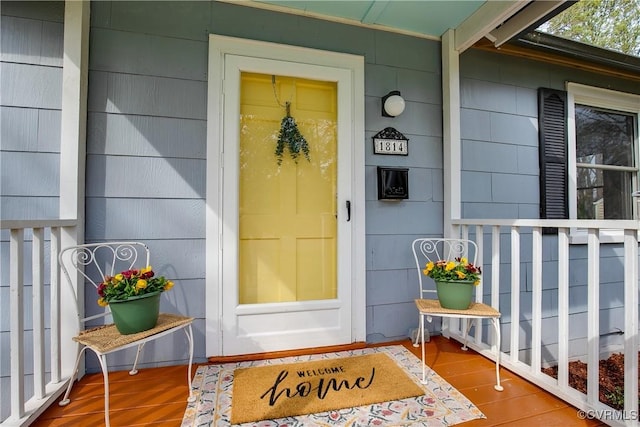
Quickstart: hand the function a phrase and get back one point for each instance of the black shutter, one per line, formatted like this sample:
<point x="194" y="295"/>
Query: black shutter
<point x="552" y="131"/>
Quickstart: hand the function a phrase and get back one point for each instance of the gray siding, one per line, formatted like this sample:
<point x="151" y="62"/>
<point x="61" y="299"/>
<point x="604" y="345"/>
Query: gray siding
<point x="30" y="84"/>
<point x="411" y="66"/>
<point x="500" y="129"/>
<point x="146" y="145"/>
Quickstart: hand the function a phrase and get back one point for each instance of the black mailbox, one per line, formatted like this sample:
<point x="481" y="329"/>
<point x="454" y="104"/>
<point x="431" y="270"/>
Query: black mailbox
<point x="393" y="183"/>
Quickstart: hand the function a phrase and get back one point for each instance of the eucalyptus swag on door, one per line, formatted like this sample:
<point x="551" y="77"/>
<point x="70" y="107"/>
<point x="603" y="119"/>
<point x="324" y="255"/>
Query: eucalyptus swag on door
<point x="289" y="136"/>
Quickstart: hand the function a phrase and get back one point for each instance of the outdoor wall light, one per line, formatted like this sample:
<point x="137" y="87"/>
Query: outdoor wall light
<point x="392" y="104"/>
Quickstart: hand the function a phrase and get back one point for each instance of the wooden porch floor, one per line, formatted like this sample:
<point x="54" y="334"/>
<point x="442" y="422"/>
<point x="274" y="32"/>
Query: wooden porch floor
<point x="157" y="397"/>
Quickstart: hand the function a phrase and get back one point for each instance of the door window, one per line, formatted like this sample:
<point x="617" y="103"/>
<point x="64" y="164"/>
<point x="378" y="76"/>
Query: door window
<point x="287" y="202"/>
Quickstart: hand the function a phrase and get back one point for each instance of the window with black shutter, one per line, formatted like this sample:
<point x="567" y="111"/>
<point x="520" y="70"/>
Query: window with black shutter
<point x="603" y="175"/>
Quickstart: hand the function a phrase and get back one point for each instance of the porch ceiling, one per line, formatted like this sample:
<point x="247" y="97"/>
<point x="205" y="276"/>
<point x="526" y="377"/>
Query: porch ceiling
<point x="470" y="19"/>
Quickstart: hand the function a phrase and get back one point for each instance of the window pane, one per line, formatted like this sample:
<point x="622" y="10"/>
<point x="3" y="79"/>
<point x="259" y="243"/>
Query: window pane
<point x="604" y="194"/>
<point x="604" y="137"/>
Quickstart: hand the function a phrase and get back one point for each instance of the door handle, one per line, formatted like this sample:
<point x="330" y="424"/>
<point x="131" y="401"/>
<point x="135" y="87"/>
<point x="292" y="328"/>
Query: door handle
<point x="348" y="210"/>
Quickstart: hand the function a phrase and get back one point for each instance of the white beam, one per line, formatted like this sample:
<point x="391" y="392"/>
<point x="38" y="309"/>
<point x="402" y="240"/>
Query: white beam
<point x="451" y="148"/>
<point x="484" y="20"/>
<point x="74" y="108"/>
<point x="520" y="22"/>
<point x="73" y="130"/>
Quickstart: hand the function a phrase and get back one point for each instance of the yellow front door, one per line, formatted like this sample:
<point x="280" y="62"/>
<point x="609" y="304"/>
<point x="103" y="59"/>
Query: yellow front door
<point x="287" y="202"/>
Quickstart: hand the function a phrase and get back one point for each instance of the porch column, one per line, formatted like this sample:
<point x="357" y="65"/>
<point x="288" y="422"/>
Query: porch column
<point x="451" y="148"/>
<point x="73" y="125"/>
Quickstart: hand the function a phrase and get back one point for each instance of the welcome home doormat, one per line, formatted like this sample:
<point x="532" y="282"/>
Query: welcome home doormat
<point x="439" y="405"/>
<point x="278" y="391"/>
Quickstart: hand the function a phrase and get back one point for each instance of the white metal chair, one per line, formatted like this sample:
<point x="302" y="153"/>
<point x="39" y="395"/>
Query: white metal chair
<point x="436" y="249"/>
<point x="94" y="262"/>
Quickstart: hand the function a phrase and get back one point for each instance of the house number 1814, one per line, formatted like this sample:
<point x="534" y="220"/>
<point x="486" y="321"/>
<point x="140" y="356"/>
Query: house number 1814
<point x="390" y="146"/>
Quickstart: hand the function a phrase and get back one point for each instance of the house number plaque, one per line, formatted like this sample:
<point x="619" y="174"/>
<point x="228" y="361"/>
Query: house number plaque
<point x="390" y="141"/>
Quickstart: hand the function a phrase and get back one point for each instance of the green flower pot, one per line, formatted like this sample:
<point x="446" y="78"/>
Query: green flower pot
<point x="456" y="294"/>
<point x="136" y="314"/>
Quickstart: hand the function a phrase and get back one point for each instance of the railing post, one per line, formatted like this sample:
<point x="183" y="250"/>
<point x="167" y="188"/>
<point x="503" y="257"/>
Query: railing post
<point x="593" y="317"/>
<point x="55" y="307"/>
<point x="480" y="290"/>
<point x="536" y="300"/>
<point x="495" y="277"/>
<point x="16" y="334"/>
<point x="563" y="308"/>
<point x="37" y="290"/>
<point x="515" y="293"/>
<point x="68" y="319"/>
<point x="631" y="322"/>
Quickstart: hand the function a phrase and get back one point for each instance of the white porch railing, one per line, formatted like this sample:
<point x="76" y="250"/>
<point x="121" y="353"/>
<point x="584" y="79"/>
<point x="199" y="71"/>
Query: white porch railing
<point x="34" y="343"/>
<point x="530" y="327"/>
<point x="529" y="342"/>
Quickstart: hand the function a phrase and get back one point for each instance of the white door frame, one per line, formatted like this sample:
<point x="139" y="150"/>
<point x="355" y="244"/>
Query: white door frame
<point x="219" y="46"/>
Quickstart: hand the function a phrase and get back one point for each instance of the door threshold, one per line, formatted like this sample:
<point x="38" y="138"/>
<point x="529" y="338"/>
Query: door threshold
<point x="285" y="353"/>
